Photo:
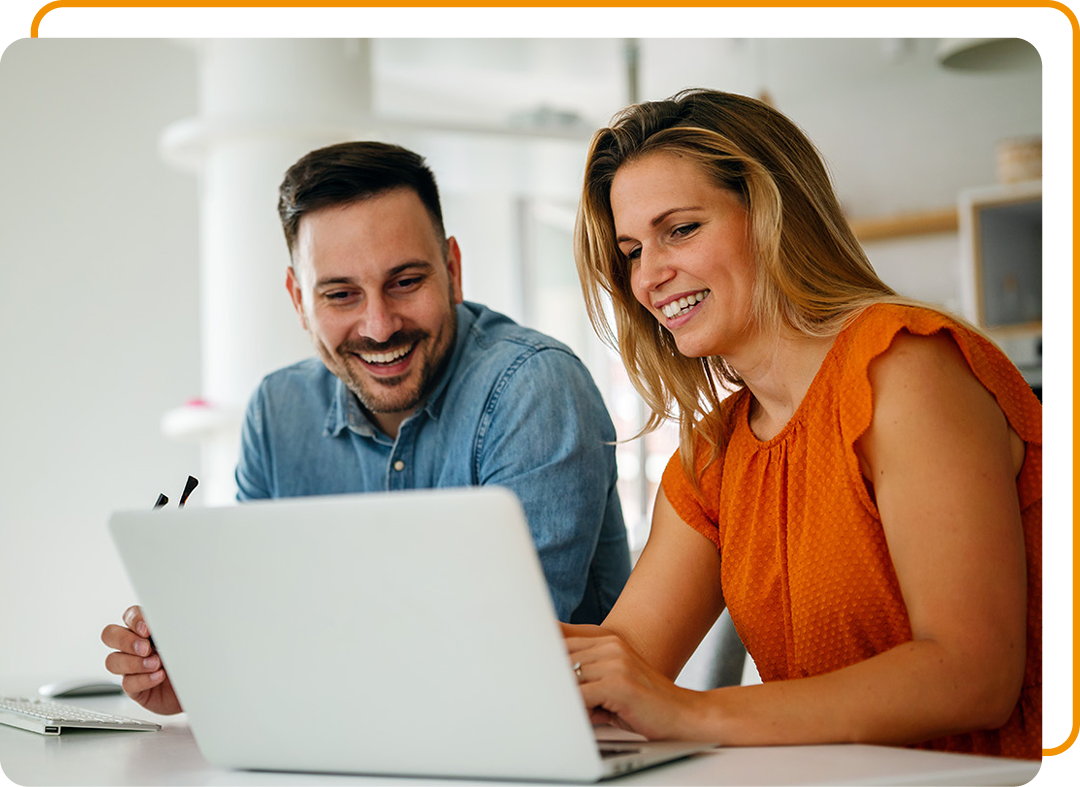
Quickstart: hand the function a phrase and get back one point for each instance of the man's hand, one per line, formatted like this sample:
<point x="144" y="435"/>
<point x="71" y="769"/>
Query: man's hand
<point x="145" y="680"/>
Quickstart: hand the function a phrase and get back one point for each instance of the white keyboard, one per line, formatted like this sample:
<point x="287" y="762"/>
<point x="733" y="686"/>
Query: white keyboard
<point x="51" y="718"/>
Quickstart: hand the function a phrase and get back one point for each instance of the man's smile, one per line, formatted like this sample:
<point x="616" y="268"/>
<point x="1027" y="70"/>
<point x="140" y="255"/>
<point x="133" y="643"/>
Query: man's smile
<point x="387" y="358"/>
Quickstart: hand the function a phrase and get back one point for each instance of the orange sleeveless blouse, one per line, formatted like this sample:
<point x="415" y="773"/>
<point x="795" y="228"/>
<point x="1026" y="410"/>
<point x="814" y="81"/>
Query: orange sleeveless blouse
<point x="805" y="567"/>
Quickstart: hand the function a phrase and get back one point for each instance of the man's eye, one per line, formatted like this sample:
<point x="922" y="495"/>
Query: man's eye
<point x="339" y="296"/>
<point x="408" y="283"/>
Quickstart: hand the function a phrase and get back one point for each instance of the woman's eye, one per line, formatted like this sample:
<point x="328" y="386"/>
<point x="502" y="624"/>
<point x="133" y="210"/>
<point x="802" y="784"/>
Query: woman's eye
<point x="685" y="229"/>
<point x="633" y="254"/>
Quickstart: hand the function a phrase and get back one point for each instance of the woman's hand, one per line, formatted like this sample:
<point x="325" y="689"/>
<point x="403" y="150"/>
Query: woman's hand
<point x="629" y="663"/>
<point x="620" y="688"/>
<point x="145" y="679"/>
<point x="582" y="630"/>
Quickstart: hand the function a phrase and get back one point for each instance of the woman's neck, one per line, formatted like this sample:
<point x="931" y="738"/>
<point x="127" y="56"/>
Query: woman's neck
<point x="778" y="373"/>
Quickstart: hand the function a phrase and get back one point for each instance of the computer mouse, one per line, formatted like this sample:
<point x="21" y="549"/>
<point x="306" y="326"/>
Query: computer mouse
<point x="82" y="687"/>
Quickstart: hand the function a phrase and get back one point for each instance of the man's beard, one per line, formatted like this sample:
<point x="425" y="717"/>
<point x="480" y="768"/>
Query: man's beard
<point x="382" y="395"/>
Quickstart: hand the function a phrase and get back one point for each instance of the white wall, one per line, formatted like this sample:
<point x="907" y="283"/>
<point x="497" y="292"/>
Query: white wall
<point x="99" y="244"/>
<point x="99" y="329"/>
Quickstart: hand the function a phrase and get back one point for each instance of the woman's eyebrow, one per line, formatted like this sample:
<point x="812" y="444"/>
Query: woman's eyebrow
<point x="658" y="220"/>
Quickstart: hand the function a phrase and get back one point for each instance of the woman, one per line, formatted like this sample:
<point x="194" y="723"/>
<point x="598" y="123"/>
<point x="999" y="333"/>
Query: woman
<point x="867" y="500"/>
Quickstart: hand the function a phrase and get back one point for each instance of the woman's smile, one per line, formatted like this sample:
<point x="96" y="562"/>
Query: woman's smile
<point x="681" y="306"/>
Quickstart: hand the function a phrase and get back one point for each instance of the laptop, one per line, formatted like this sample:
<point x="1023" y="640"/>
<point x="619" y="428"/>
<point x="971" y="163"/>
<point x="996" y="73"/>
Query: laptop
<point x="405" y="633"/>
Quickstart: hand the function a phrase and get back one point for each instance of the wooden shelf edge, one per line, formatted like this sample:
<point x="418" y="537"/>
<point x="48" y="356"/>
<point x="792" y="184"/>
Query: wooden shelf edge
<point x="902" y="225"/>
<point x="1009" y="331"/>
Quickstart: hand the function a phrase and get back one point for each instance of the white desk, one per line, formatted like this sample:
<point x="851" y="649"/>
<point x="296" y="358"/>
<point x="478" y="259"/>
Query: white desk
<point x="170" y="757"/>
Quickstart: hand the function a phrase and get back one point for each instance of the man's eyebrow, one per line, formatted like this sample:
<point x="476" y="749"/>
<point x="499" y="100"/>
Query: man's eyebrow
<point x="411" y="265"/>
<point x="330" y="281"/>
<point x="417" y="265"/>
<point x="658" y="220"/>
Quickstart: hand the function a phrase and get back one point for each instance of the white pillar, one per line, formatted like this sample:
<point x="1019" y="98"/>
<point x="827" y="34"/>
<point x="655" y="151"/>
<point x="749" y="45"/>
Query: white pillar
<point x="263" y="104"/>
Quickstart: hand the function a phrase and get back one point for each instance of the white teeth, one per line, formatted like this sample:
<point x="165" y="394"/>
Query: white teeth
<point x="683" y="305"/>
<point x="389" y="357"/>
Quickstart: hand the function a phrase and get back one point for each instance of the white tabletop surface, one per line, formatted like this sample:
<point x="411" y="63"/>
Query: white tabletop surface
<point x="170" y="757"/>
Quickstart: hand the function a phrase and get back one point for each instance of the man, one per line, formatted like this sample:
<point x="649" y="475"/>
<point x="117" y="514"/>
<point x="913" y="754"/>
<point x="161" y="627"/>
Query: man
<point x="415" y="388"/>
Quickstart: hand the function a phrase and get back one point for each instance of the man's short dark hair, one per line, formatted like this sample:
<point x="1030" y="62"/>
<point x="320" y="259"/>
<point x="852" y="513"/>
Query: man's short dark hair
<point x="349" y="172"/>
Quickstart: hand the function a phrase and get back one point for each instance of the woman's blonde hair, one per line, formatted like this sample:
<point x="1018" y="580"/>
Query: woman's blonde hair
<point x="812" y="277"/>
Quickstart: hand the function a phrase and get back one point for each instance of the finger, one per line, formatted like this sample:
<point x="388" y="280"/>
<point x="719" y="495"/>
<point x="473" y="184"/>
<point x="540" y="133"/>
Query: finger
<point x="590" y="651"/>
<point x="133" y="617"/>
<point x="123" y="664"/>
<point x="602" y="716"/>
<point x="576" y="667"/>
<point x="580" y="644"/>
<point x="581" y="630"/>
<point x="602" y="708"/>
<point x="137" y="684"/>
<point x="588" y="668"/>
<point x="125" y="640"/>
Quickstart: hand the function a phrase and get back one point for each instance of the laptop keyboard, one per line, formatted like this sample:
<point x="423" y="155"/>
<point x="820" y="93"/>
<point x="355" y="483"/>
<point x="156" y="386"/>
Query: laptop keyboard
<point x="608" y="751"/>
<point x="50" y="718"/>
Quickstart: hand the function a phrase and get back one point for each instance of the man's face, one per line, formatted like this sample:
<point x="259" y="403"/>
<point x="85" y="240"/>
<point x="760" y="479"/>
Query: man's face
<point x="375" y="289"/>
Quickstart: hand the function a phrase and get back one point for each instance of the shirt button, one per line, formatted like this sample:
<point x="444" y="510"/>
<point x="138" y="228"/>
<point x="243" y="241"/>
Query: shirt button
<point x="399" y="465"/>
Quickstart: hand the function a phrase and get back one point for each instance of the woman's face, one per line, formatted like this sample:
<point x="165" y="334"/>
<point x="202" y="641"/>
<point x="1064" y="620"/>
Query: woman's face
<point x="687" y="244"/>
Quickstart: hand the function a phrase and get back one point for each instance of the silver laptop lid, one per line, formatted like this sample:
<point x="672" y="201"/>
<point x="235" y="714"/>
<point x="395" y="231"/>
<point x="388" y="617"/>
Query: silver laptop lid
<point x="406" y="633"/>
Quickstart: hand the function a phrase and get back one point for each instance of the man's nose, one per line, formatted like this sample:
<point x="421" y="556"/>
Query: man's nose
<point x="380" y="320"/>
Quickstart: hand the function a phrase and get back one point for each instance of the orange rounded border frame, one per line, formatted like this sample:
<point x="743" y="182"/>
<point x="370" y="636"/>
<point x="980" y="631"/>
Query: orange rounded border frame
<point x="1053" y="4"/>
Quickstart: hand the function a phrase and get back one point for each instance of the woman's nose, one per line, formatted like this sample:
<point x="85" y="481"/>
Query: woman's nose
<point x="652" y="269"/>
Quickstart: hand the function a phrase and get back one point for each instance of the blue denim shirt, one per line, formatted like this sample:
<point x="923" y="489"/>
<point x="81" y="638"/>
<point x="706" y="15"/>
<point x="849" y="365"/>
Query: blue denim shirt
<point x="514" y="408"/>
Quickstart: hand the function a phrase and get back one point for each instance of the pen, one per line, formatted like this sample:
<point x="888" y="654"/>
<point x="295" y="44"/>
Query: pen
<point x="192" y="482"/>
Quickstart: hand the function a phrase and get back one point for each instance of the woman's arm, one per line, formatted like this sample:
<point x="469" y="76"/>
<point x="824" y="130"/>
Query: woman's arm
<point x="943" y="462"/>
<point x="670" y="601"/>
<point x="673" y="596"/>
<point x="943" y="466"/>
